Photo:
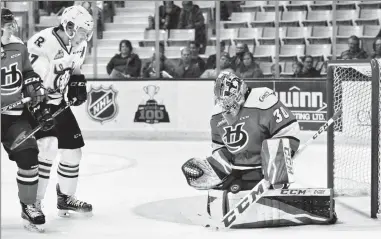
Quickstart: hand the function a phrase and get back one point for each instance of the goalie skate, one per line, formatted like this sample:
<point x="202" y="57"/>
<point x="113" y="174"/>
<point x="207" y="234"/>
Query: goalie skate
<point x="66" y="203"/>
<point x="33" y="218"/>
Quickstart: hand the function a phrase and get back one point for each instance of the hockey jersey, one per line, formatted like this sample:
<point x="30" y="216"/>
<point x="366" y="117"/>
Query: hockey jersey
<point x="54" y="61"/>
<point x="262" y="117"/>
<point x="15" y="67"/>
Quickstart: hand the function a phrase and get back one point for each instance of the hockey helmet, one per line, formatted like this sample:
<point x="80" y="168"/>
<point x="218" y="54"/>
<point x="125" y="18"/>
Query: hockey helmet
<point x="7" y="17"/>
<point x="229" y="92"/>
<point x="76" y="17"/>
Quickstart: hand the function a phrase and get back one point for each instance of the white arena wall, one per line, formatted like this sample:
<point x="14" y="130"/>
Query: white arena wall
<point x="189" y="104"/>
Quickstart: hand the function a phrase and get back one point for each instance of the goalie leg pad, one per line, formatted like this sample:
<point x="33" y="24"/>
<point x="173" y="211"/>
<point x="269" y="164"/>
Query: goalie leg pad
<point x="277" y="163"/>
<point x="279" y="207"/>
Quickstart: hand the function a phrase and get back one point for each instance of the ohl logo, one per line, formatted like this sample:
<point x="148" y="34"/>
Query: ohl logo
<point x="101" y="105"/>
<point x="235" y="137"/>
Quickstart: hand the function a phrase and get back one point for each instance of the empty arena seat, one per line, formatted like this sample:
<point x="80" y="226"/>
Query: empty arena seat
<point x="179" y="37"/>
<point x="369" y="17"/>
<point x="270" y="7"/>
<point x="344" y="32"/>
<point x="248" y="35"/>
<point x="264" y="52"/>
<point x="253" y="6"/>
<point x="346" y="17"/>
<point x="294" y="19"/>
<point x="298" y="5"/>
<point x="226" y="35"/>
<point x="268" y="36"/>
<point x="320" y="35"/>
<point x="264" y="19"/>
<point x="150" y="37"/>
<point x="346" y="5"/>
<point x="318" y="18"/>
<point x="319" y="52"/>
<point x="239" y="20"/>
<point x="291" y="52"/>
<point x="371" y="31"/>
<point x="321" y="5"/>
<point x="297" y="35"/>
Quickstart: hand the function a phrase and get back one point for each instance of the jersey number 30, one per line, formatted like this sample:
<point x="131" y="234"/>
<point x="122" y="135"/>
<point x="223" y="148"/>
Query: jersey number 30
<point x="280" y="114"/>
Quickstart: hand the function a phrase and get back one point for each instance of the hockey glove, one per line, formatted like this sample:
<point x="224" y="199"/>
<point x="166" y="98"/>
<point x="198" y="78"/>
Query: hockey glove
<point x="41" y="112"/>
<point x="77" y="89"/>
<point x="33" y="88"/>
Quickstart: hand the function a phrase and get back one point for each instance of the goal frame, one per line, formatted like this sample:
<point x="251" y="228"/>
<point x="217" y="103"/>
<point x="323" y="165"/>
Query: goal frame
<point x="375" y="128"/>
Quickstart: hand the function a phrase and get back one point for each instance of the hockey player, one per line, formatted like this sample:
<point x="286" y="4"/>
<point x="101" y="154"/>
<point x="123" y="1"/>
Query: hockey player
<point x="57" y="55"/>
<point x="254" y="136"/>
<point x="18" y="80"/>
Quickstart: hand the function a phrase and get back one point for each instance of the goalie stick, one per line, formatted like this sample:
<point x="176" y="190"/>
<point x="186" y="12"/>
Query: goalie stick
<point x="256" y="193"/>
<point x="26" y="135"/>
<point x="14" y="104"/>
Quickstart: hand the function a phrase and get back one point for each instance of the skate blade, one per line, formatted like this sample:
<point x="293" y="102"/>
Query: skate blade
<point x="68" y="214"/>
<point x="33" y="227"/>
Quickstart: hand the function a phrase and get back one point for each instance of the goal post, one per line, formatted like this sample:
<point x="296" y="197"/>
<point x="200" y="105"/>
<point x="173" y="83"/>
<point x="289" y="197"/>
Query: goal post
<point x="353" y="143"/>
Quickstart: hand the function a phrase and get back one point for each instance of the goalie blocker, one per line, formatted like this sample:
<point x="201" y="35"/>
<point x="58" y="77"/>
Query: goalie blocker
<point x="275" y="207"/>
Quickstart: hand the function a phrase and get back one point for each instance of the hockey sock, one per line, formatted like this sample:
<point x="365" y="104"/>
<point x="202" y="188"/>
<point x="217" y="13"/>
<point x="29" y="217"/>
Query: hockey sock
<point x="68" y="170"/>
<point x="48" y="151"/>
<point x="27" y="181"/>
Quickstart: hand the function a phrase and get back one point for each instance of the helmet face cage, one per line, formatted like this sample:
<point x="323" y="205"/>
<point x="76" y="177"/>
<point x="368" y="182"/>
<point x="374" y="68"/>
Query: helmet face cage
<point x="77" y="17"/>
<point x="229" y="91"/>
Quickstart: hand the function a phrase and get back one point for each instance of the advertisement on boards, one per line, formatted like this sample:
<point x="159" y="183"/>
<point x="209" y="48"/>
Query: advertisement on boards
<point x="307" y="100"/>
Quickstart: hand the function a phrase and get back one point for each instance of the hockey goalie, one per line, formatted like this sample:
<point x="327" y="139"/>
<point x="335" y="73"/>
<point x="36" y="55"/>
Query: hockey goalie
<point x="254" y="137"/>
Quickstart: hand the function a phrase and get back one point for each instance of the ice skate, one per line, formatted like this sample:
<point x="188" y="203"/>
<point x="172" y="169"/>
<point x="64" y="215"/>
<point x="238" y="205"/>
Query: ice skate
<point x="67" y="203"/>
<point x="33" y="218"/>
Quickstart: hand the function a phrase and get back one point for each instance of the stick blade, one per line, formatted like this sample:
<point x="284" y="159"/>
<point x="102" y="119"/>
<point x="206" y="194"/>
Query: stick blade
<point x="19" y="140"/>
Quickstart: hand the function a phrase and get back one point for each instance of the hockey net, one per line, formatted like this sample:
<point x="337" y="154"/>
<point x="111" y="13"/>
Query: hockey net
<point x="354" y="149"/>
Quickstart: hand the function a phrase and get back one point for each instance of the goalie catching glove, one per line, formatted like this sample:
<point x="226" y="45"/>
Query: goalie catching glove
<point x="37" y="106"/>
<point x="77" y="90"/>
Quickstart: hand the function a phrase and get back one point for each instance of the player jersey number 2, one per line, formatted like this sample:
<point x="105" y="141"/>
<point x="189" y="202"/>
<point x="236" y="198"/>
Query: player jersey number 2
<point x="280" y="114"/>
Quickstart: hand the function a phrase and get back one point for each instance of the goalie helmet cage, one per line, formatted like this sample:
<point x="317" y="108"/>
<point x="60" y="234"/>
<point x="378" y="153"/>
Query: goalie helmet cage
<point x="353" y="143"/>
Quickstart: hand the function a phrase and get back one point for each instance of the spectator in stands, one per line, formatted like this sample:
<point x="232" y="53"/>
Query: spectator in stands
<point x="237" y="60"/>
<point x="227" y="7"/>
<point x="297" y="68"/>
<point x="165" y="64"/>
<point x="308" y="69"/>
<point x="376" y="49"/>
<point x="185" y="68"/>
<point x="169" y="15"/>
<point x="194" y="48"/>
<point x="191" y="18"/>
<point x="211" y="62"/>
<point x="273" y="70"/>
<point x="249" y="68"/>
<point x="224" y="65"/>
<point x="354" y="51"/>
<point x="126" y="64"/>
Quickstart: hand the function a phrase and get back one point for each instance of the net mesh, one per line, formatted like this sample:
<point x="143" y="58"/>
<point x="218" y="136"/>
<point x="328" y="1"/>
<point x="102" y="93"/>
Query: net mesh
<point x="352" y="132"/>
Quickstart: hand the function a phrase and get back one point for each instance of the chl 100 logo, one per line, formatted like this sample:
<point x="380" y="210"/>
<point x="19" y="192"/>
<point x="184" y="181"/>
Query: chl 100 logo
<point x="101" y="104"/>
<point x="151" y="112"/>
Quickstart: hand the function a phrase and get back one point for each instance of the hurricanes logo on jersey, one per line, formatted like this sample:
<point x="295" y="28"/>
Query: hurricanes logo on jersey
<point x="235" y="137"/>
<point x="11" y="79"/>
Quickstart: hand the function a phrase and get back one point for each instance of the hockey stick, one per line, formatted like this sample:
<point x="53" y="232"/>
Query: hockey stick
<point x="23" y="136"/>
<point x="256" y="193"/>
<point x="14" y="104"/>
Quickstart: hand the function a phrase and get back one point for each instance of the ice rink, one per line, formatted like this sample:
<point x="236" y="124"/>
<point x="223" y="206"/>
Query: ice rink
<point x="138" y="191"/>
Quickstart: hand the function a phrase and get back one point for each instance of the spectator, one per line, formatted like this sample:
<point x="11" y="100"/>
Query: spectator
<point x="238" y="58"/>
<point x="126" y="64"/>
<point x="224" y="64"/>
<point x="211" y="62"/>
<point x="169" y="15"/>
<point x="248" y="68"/>
<point x="185" y="68"/>
<point x="194" y="48"/>
<point x="297" y="68"/>
<point x="273" y="70"/>
<point x="354" y="51"/>
<point x="308" y="69"/>
<point x="165" y="64"/>
<point x="191" y="18"/>
<point x="376" y="49"/>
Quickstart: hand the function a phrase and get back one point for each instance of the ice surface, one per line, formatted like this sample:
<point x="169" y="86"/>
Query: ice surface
<point x="138" y="191"/>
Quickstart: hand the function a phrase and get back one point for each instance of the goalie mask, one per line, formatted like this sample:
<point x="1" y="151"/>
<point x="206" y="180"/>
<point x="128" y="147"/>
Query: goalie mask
<point x="77" y="23"/>
<point x="8" y="24"/>
<point x="229" y="92"/>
